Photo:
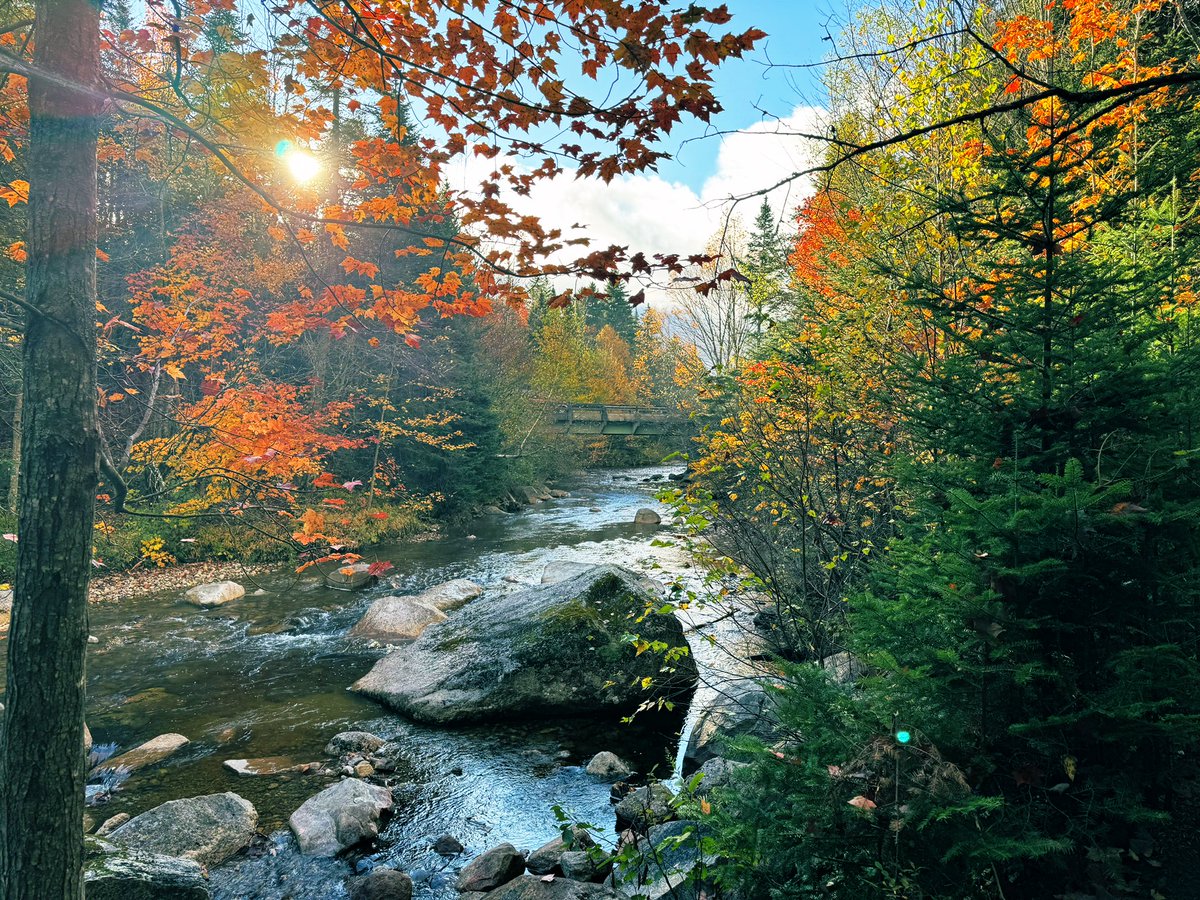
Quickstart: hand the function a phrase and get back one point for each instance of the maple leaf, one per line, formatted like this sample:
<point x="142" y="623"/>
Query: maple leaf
<point x="379" y="568"/>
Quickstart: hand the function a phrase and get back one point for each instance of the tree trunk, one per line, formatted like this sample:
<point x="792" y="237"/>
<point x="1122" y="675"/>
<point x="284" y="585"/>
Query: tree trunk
<point x="41" y="753"/>
<point x="14" y="480"/>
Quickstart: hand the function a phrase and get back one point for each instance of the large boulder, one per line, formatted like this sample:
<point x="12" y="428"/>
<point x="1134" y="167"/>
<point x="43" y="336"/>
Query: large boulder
<point x="498" y="866"/>
<point x="218" y="593"/>
<point x="339" y="817"/>
<point x="207" y="829"/>
<point x="111" y="874"/>
<point x="550" y="650"/>
<point x="532" y="887"/>
<point x="154" y="750"/>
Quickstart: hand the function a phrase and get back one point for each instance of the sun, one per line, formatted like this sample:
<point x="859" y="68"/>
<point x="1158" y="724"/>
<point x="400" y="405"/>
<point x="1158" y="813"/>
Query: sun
<point x="301" y="165"/>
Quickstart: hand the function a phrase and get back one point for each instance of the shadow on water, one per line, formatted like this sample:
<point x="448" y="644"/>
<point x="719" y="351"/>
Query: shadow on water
<point x="267" y="676"/>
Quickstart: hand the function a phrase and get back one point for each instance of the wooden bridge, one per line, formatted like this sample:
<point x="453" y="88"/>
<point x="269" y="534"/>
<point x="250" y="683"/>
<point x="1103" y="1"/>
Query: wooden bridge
<point x="595" y="418"/>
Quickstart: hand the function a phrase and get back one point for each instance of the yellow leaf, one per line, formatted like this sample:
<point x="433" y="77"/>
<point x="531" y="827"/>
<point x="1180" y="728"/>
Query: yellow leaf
<point x="174" y="371"/>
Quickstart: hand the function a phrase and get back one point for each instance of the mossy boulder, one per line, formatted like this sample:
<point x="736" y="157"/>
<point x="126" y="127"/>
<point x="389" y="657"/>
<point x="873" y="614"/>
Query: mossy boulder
<point x="560" y="649"/>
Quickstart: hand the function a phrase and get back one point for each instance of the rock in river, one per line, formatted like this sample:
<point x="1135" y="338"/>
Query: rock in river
<point x="650" y="805"/>
<point x="207" y="829"/>
<point x="451" y="594"/>
<point x="550" y="650"/>
<point x="353" y="742"/>
<point x="397" y="619"/>
<point x="646" y="516"/>
<point x="339" y="817"/>
<point x="217" y="593"/>
<point x="380" y="884"/>
<point x="609" y="766"/>
<point x="154" y="750"/>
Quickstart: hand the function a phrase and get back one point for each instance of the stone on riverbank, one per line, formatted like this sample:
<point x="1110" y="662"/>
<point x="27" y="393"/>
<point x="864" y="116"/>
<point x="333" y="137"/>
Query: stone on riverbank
<point x="609" y="767"/>
<point x="447" y="845"/>
<point x="339" y="817"/>
<point x="669" y="865"/>
<point x="498" y="866"/>
<point x="548" y="857"/>
<point x="550" y="650"/>
<point x="738" y="708"/>
<point x="108" y="826"/>
<point x="646" y="516"/>
<point x="154" y="750"/>
<point x="207" y="829"/>
<point x="216" y="593"/>
<point x="650" y="805"/>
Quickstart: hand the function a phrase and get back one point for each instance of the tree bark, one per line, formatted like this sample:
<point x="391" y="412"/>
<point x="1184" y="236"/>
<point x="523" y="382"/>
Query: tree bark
<point x="41" y="752"/>
<point x="14" y="480"/>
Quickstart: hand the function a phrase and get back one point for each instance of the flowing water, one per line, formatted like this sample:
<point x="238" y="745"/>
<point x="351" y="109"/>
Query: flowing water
<point x="267" y="676"/>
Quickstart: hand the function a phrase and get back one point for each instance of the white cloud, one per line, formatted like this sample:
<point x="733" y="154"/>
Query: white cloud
<point x="652" y="214"/>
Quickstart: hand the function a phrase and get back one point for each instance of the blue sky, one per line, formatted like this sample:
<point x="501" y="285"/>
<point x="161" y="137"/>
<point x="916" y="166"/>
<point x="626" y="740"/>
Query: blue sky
<point x="750" y="89"/>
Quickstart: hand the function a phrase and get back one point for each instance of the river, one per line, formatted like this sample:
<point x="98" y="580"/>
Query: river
<point x="267" y="676"/>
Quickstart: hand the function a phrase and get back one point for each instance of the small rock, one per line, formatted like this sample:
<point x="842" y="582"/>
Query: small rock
<point x="339" y="817"/>
<point x="646" y="806"/>
<point x="92" y="639"/>
<point x="112" y="824"/>
<point x="207" y="829"/>
<point x="609" y="766"/>
<point x="364" y="769"/>
<point x="268" y="765"/>
<point x="147" y="754"/>
<point x="350" y="578"/>
<point x="594" y="509"/>
<point x="498" y="866"/>
<point x="353" y="742"/>
<point x="558" y="493"/>
<point x="447" y="845"/>
<point x="216" y="593"/>
<point x="380" y="884"/>
<point x="646" y="516"/>
<point x="394" y="619"/>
